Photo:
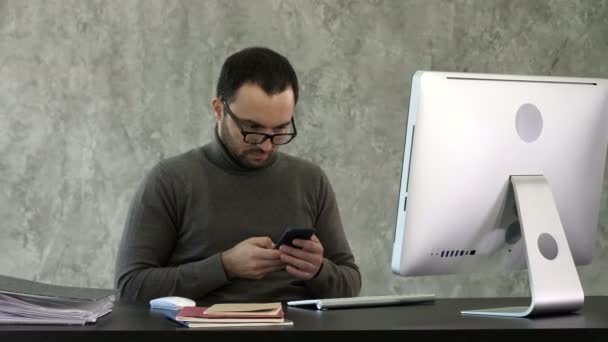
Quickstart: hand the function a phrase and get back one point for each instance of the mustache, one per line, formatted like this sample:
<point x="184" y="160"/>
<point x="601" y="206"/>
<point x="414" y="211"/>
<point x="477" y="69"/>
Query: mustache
<point x="255" y="151"/>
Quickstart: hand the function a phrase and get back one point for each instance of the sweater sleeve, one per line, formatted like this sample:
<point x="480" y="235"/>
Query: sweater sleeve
<point x="149" y="237"/>
<point x="339" y="275"/>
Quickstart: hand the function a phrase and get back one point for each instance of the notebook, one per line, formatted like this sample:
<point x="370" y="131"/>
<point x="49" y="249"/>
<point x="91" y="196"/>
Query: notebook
<point x="230" y="315"/>
<point x="198" y="314"/>
<point x="245" y="310"/>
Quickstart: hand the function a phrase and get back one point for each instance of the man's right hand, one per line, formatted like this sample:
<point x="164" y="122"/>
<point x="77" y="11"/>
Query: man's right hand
<point x="252" y="259"/>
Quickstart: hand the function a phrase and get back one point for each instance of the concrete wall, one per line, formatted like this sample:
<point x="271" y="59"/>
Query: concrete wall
<point x="93" y="93"/>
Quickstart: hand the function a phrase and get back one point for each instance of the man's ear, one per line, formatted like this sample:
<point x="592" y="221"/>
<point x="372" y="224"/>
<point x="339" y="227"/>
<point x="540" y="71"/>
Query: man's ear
<point x="217" y="106"/>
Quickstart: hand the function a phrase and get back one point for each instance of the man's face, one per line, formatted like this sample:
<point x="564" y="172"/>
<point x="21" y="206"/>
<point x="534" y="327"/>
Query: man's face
<point x="255" y="111"/>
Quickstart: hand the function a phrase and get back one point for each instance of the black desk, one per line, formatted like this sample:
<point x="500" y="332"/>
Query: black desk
<point x="439" y="321"/>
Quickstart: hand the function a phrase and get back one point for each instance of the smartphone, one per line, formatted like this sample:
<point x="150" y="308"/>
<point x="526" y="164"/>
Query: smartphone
<point x="294" y="233"/>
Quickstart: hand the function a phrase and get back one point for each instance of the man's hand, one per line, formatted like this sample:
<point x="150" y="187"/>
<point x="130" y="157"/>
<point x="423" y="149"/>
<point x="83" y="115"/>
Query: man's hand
<point x="306" y="262"/>
<point x="252" y="259"/>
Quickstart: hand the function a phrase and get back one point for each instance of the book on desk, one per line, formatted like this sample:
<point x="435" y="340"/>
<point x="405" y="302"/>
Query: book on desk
<point x="30" y="302"/>
<point x="230" y="315"/>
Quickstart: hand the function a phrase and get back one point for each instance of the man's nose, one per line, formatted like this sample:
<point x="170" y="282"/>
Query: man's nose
<point x="266" y="146"/>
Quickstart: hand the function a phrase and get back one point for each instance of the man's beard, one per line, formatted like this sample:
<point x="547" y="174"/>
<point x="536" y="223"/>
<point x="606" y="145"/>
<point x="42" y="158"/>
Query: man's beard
<point x="244" y="157"/>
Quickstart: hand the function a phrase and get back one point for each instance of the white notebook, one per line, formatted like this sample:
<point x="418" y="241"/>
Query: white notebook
<point x="369" y="301"/>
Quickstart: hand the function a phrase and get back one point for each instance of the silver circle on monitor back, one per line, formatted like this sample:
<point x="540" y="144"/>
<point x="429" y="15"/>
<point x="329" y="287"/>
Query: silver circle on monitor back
<point x="528" y="122"/>
<point x="547" y="246"/>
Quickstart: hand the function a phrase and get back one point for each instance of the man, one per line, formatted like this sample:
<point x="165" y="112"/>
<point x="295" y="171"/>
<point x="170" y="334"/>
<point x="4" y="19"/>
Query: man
<point x="203" y="224"/>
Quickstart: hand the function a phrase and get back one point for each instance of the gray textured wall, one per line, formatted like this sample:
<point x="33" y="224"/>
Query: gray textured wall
<point x="93" y="93"/>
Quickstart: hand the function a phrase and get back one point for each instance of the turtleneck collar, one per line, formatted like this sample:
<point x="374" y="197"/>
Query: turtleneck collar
<point x="219" y="155"/>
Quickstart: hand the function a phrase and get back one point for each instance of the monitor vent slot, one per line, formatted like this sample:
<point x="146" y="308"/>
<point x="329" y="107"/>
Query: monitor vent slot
<point x="455" y="253"/>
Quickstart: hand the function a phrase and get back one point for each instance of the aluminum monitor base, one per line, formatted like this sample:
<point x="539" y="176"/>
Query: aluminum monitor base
<point x="554" y="281"/>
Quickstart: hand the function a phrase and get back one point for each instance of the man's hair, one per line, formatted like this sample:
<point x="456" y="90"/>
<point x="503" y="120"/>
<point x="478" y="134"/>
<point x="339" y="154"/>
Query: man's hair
<point x="258" y="65"/>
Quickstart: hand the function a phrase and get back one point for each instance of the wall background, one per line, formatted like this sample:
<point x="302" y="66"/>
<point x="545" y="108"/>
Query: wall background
<point x="93" y="93"/>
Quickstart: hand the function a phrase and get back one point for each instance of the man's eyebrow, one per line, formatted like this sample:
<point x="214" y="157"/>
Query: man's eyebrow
<point x="252" y="122"/>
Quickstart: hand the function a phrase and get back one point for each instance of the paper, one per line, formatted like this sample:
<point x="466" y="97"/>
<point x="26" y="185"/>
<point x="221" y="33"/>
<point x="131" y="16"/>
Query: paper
<point x="244" y="307"/>
<point x="197" y="314"/>
<point x="247" y="324"/>
<point x="27" y="302"/>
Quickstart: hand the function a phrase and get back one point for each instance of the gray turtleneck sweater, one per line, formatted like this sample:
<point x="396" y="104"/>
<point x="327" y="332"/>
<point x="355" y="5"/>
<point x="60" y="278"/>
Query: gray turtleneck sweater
<point x="194" y="206"/>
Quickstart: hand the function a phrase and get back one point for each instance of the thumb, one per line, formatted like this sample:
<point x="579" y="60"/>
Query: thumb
<point x="262" y="241"/>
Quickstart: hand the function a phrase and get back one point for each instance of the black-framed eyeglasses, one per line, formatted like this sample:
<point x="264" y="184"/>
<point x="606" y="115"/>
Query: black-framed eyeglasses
<point x="256" y="138"/>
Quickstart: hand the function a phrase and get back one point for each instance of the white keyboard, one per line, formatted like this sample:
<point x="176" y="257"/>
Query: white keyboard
<point x="351" y="302"/>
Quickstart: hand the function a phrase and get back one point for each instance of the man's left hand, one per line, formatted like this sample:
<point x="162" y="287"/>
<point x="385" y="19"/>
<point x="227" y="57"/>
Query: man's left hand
<point x="303" y="262"/>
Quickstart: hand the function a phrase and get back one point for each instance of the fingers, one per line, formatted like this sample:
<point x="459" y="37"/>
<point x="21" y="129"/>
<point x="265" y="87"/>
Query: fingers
<point x="261" y="241"/>
<point x="310" y="251"/>
<point x="298" y="273"/>
<point x="313" y="245"/>
<point x="262" y="273"/>
<point x="303" y="262"/>
<point x="273" y="269"/>
<point x="259" y="269"/>
<point x="297" y="252"/>
<point x="266" y="254"/>
<point x="264" y="248"/>
<point x="262" y="264"/>
<point x="299" y="263"/>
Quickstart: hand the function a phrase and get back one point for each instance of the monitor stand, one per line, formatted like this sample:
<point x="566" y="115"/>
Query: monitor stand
<point x="554" y="282"/>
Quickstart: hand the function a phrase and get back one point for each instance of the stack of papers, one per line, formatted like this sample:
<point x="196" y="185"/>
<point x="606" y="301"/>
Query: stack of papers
<point x="28" y="302"/>
<point x="233" y="315"/>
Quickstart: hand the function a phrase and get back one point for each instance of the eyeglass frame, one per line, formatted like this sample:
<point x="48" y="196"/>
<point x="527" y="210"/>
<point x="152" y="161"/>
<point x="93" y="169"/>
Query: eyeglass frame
<point x="245" y="133"/>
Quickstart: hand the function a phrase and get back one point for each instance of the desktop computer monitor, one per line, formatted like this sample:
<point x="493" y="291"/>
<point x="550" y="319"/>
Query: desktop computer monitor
<point x="503" y="172"/>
